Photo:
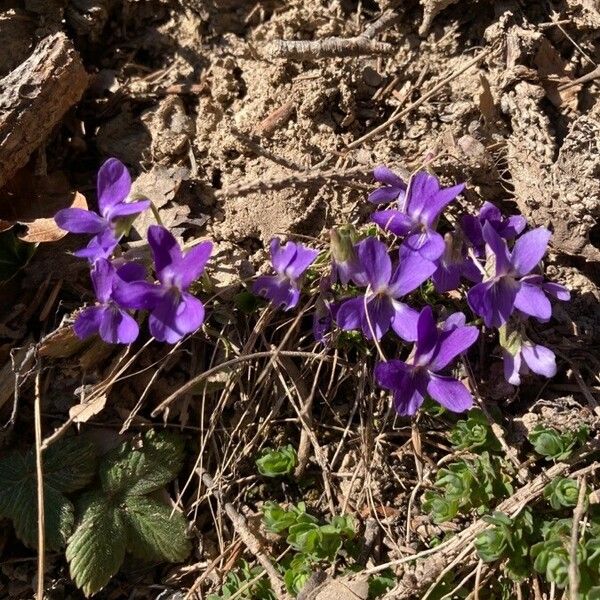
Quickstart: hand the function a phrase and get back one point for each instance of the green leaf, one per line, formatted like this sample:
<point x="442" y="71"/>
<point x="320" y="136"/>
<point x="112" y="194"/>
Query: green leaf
<point x="277" y="463"/>
<point x="68" y="465"/>
<point x="121" y="518"/>
<point x="154" y="531"/>
<point x="562" y="492"/>
<point x="97" y="548"/>
<point x="474" y="432"/>
<point x="147" y="467"/>
<point x="555" y="445"/>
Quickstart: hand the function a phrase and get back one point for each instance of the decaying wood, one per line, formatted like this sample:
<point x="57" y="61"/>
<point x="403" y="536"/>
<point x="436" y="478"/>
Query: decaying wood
<point x="359" y="45"/>
<point x="34" y="97"/>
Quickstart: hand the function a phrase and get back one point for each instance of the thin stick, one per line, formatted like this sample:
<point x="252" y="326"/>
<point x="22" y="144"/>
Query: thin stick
<point x="40" y="486"/>
<point x="434" y="90"/>
<point x="573" y="567"/>
<point x="250" y="540"/>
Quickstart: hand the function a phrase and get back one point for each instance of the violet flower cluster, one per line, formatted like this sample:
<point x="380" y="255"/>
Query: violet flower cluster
<point x="367" y="283"/>
<point x="123" y="286"/>
<point x="368" y="289"/>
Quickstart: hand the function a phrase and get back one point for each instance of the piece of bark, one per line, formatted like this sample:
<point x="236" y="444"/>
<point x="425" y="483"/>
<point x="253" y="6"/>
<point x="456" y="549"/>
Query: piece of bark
<point x="34" y="97"/>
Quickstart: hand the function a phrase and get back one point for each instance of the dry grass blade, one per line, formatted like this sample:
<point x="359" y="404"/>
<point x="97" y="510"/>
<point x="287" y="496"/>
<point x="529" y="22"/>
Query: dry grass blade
<point x="40" y="485"/>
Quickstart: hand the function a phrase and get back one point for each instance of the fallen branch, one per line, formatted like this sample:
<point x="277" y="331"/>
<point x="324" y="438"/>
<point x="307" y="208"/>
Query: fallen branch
<point x="34" y="97"/>
<point x="360" y="45"/>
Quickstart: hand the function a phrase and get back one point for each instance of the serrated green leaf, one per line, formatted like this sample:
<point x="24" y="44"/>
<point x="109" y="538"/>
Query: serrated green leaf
<point x="139" y="470"/>
<point x="68" y="465"/>
<point x="58" y="517"/>
<point x="97" y="548"/>
<point x="154" y="531"/>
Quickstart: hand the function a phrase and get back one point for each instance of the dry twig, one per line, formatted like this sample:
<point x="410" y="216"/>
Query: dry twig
<point x="330" y="47"/>
<point x="574" y="542"/>
<point x="40" y="485"/>
<point x="251" y="541"/>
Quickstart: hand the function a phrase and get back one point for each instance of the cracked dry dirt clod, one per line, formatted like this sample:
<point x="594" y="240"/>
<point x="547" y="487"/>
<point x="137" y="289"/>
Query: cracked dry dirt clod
<point x="34" y="97"/>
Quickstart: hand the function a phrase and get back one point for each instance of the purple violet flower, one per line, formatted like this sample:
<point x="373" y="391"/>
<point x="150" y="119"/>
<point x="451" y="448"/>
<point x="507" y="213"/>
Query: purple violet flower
<point x="393" y="189"/>
<point x="173" y="311"/>
<point x="416" y="216"/>
<point x="290" y="263"/>
<point x="380" y="308"/>
<point x="509" y="285"/>
<point x="113" y="187"/>
<point x="506" y="227"/>
<point x="108" y="318"/>
<point x="520" y="354"/>
<point x="435" y="348"/>
<point x="453" y="264"/>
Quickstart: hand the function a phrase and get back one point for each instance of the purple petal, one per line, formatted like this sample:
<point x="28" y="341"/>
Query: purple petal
<point x="498" y="247"/>
<point x="278" y="290"/>
<point x="193" y="263"/>
<point x="450" y="393"/>
<point x="103" y="275"/>
<point x="409" y="390"/>
<point x="384" y="175"/>
<point x="79" y="220"/>
<point x="175" y="316"/>
<point x="303" y="258"/>
<point x="165" y="249"/>
<point x="438" y="202"/>
<point x="429" y="244"/>
<point x="385" y="194"/>
<point x="473" y="231"/>
<point x="512" y="367"/>
<point x="405" y="321"/>
<point x="350" y="314"/>
<point x="126" y="209"/>
<point x="427" y="336"/>
<point x="113" y="184"/>
<point x="539" y="359"/>
<point x="131" y="271"/>
<point x="531" y="300"/>
<point x="411" y="272"/>
<point x="529" y="250"/>
<point x="513" y="226"/>
<point x="117" y="327"/>
<point x="447" y="277"/>
<point x="493" y="300"/>
<point x="137" y="294"/>
<point x="560" y="292"/>
<point x="375" y="260"/>
<point x="378" y="316"/>
<point x="190" y="314"/>
<point x="281" y="256"/>
<point x="456" y="319"/>
<point x="489" y="212"/>
<point x="422" y="187"/>
<point x="100" y="246"/>
<point x="393" y="220"/>
<point x="451" y="344"/>
<point x="88" y="321"/>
